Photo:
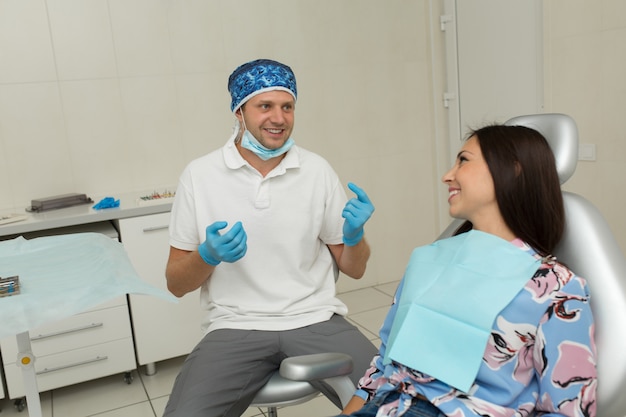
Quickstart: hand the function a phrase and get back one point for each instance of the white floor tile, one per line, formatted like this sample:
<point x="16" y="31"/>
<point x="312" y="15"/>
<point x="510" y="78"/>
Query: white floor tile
<point x="161" y="383"/>
<point x="367" y="333"/>
<point x="371" y="320"/>
<point x="388" y="288"/>
<point x="98" y="396"/>
<point x="158" y="405"/>
<point x="364" y="299"/>
<point x="136" y="410"/>
<point x="7" y="407"/>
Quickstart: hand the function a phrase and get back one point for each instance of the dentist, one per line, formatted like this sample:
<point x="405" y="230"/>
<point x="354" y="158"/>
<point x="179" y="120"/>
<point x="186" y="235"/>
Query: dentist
<point x="261" y="226"/>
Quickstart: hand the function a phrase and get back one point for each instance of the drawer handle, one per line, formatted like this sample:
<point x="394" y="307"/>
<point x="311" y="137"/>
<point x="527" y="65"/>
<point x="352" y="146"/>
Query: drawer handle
<point x="72" y="365"/>
<point x="62" y="332"/>
<point x="154" y="228"/>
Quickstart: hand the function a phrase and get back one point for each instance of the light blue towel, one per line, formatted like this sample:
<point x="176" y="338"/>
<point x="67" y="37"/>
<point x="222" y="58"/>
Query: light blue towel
<point x="453" y="291"/>
<point x="64" y="275"/>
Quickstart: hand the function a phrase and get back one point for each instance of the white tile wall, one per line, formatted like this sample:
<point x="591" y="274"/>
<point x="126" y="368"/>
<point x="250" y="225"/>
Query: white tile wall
<point x="141" y="37"/>
<point x="38" y="158"/>
<point x="111" y="96"/>
<point x="153" y="126"/>
<point x="82" y="39"/>
<point x="25" y="42"/>
<point x="96" y="133"/>
<point x="585" y="63"/>
<point x="196" y="30"/>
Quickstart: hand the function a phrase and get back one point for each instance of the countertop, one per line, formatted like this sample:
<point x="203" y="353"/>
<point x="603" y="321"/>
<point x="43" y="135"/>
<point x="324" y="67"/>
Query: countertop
<point x="131" y="205"/>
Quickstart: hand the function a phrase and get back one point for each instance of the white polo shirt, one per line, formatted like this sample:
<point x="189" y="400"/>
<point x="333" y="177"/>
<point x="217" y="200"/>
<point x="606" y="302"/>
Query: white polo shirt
<point x="286" y="280"/>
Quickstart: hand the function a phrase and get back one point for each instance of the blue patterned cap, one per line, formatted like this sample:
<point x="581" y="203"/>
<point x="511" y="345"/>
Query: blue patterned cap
<point x="259" y="76"/>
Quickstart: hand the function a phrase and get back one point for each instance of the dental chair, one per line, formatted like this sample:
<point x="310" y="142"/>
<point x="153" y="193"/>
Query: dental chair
<point x="589" y="248"/>
<point x="295" y="381"/>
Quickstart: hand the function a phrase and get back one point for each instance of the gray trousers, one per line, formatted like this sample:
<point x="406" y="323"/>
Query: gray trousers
<point x="225" y="370"/>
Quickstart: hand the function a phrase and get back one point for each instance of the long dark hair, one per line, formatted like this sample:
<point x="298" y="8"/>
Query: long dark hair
<point x="526" y="184"/>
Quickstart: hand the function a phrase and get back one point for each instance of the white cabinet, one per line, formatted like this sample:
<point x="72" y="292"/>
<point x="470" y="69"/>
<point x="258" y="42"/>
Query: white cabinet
<point x="86" y="346"/>
<point x="83" y="347"/>
<point x="162" y="329"/>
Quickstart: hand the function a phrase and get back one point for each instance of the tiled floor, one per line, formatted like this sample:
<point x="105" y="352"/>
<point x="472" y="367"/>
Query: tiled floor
<point x="146" y="396"/>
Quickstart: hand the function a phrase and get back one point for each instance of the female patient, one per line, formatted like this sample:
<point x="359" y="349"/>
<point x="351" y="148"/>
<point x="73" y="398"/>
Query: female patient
<point x="487" y="322"/>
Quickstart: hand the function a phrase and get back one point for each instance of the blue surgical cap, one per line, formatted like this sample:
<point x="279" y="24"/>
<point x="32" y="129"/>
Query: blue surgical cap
<point x="257" y="77"/>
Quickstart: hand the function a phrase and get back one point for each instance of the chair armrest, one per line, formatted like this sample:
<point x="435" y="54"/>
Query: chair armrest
<point x="316" y="366"/>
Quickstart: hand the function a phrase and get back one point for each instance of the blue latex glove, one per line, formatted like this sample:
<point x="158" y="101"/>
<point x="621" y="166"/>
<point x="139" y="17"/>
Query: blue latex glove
<point x="228" y="247"/>
<point x="356" y="212"/>
<point x="107" y="202"/>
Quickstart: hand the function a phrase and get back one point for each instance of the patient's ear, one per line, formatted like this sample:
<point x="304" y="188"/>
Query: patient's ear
<point x="518" y="169"/>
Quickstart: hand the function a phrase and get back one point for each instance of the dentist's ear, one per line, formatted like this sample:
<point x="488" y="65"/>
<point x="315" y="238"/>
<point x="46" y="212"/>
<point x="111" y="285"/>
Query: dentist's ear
<point x="239" y="114"/>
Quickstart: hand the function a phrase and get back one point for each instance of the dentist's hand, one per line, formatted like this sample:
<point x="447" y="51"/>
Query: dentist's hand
<point x="356" y="212"/>
<point x="228" y="247"/>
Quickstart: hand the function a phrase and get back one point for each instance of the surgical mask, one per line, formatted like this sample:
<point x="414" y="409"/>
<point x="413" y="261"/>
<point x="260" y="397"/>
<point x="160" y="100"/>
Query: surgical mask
<point x="251" y="143"/>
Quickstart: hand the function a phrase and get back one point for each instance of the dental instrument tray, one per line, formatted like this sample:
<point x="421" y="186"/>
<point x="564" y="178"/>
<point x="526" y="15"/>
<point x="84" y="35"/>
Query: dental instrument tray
<point x="57" y="202"/>
<point x="9" y="286"/>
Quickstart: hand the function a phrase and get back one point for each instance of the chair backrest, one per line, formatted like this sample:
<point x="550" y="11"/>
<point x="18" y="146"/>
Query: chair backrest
<point x="589" y="248"/>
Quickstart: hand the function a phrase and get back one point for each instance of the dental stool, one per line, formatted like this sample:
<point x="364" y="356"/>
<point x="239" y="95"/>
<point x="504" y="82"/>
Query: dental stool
<point x="290" y="385"/>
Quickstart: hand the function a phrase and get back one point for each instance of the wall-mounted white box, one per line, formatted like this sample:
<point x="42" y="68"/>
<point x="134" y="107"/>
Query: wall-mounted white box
<point x="586" y="152"/>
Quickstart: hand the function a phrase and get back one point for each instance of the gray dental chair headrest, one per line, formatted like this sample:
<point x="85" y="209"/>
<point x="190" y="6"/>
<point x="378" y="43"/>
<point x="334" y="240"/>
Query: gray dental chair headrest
<point x="562" y="134"/>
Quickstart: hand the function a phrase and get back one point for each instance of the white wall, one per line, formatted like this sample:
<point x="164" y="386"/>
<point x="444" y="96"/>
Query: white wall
<point x="108" y="96"/>
<point x="585" y="63"/>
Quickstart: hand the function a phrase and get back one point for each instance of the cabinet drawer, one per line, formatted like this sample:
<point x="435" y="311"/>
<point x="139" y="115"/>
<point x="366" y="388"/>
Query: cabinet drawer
<point x="74" y="366"/>
<point x="78" y="331"/>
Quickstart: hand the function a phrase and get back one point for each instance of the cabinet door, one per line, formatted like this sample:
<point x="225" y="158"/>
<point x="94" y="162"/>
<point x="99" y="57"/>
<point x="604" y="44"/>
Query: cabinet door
<point x="162" y="329"/>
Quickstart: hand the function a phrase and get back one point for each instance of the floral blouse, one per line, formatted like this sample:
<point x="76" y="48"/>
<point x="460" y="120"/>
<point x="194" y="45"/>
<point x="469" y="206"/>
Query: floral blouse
<point x="540" y="358"/>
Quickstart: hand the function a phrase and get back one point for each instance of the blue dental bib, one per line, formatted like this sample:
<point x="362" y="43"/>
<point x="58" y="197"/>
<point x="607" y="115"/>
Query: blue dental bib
<point x="453" y="291"/>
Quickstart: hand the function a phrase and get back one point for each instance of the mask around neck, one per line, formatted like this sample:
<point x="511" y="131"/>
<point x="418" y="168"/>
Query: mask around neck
<point x="251" y="143"/>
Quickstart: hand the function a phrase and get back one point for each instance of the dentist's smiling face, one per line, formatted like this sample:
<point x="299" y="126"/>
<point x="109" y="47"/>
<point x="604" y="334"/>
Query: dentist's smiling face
<point x="269" y="117"/>
<point x="471" y="189"/>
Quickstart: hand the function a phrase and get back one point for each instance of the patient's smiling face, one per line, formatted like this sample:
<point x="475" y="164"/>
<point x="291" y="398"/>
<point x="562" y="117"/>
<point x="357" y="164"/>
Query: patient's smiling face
<point x="471" y="188"/>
